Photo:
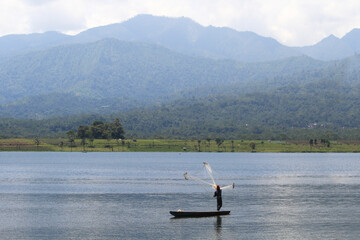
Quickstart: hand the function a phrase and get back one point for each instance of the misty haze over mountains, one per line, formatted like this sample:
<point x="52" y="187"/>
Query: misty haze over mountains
<point x="174" y="66"/>
<point x="186" y="36"/>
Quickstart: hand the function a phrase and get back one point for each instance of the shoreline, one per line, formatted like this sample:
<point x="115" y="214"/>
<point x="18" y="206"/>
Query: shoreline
<point x="319" y="152"/>
<point x="174" y="145"/>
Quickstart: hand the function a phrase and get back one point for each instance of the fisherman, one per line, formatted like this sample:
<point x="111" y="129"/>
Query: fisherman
<point x="217" y="194"/>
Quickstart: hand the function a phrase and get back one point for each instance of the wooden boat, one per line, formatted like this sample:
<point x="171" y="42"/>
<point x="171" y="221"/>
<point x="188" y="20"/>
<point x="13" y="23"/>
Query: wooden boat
<point x="182" y="214"/>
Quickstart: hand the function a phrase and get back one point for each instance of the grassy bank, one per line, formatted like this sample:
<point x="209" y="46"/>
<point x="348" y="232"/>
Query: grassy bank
<point x="165" y="145"/>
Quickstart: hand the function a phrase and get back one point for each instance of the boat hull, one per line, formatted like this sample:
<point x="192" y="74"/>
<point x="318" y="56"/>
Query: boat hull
<point x="181" y="214"/>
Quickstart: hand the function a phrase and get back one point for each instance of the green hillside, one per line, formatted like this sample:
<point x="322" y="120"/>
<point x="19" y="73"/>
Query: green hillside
<point x="110" y="68"/>
<point x="323" y="108"/>
<point x="129" y="87"/>
<point x="322" y="105"/>
<point x="133" y="73"/>
<point x="65" y="104"/>
<point x="156" y="92"/>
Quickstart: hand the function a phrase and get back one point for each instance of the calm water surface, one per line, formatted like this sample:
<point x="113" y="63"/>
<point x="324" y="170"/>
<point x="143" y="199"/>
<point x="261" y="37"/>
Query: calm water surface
<point x="129" y="196"/>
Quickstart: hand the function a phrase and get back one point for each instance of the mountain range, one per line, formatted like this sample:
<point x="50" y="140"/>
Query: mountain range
<point x="186" y="36"/>
<point x="174" y="77"/>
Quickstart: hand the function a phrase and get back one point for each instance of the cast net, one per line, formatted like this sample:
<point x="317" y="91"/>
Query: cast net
<point x="208" y="181"/>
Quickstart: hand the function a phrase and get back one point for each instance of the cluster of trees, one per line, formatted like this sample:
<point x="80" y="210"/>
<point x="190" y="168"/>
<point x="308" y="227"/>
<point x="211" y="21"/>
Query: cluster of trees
<point x="324" y="142"/>
<point x="100" y="130"/>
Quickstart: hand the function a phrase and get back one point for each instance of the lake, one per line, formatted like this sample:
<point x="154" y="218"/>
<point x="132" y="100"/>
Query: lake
<point x="129" y="195"/>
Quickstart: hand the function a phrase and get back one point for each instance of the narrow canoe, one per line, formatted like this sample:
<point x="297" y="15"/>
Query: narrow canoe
<point x="179" y="214"/>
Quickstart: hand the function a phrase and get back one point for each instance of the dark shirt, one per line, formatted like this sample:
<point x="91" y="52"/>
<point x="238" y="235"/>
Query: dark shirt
<point x="217" y="194"/>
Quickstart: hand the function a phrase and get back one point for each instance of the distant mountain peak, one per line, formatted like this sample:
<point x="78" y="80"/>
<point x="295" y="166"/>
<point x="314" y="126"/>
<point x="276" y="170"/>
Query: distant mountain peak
<point x="330" y="39"/>
<point x="355" y="31"/>
<point x="151" y="19"/>
<point x="149" y="16"/>
<point x="353" y="39"/>
<point x="330" y="48"/>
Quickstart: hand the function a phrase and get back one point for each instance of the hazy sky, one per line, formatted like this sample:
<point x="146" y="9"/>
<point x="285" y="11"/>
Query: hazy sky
<point x="291" y="22"/>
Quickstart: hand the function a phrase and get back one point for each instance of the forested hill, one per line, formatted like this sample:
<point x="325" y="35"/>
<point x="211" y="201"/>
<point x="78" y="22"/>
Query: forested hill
<point x="115" y="78"/>
<point x="111" y="69"/>
<point x="320" y="109"/>
<point x="66" y="104"/>
<point x="327" y="105"/>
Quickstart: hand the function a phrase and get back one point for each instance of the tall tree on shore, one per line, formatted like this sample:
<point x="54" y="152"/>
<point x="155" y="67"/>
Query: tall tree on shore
<point x="117" y="131"/>
<point x="37" y="143"/>
<point x="71" y="136"/>
<point x="219" y="141"/>
<point x="97" y="129"/>
<point x="83" y="132"/>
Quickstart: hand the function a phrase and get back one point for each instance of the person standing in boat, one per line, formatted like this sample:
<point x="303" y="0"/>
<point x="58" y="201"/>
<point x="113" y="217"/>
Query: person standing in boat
<point x="217" y="194"/>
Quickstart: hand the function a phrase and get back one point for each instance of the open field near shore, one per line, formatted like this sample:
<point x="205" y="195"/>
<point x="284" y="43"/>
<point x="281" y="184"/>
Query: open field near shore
<point x="168" y="145"/>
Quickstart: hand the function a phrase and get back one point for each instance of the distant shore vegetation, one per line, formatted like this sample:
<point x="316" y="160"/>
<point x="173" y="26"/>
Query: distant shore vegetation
<point x="175" y="145"/>
<point x="110" y="136"/>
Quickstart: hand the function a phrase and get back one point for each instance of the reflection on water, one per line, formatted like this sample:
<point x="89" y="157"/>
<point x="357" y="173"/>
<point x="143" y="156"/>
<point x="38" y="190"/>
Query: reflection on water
<point x="129" y="196"/>
<point x="218" y="227"/>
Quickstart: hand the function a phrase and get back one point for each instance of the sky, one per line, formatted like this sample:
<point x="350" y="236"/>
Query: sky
<point x="291" y="22"/>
